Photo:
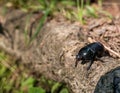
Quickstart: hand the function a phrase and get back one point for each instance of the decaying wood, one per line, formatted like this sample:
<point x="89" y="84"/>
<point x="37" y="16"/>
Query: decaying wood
<point x="54" y="56"/>
<point x="53" y="53"/>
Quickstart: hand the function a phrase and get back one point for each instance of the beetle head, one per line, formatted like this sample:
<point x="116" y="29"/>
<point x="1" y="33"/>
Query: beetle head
<point x="78" y="57"/>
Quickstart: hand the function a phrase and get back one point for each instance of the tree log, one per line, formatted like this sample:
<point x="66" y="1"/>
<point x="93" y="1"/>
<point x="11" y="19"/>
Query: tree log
<point x="54" y="56"/>
<point x="53" y="53"/>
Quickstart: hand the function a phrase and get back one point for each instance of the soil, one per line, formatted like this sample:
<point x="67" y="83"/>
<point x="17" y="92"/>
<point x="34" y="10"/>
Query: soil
<point x="53" y="51"/>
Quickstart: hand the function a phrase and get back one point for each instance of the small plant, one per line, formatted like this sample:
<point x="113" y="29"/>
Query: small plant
<point x="80" y="10"/>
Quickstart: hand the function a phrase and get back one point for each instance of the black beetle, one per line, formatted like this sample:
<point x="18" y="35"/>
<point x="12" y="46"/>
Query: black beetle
<point x="90" y="53"/>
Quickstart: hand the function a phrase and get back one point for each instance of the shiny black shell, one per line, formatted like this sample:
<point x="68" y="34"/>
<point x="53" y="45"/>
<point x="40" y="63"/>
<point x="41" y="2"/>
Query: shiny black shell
<point x="90" y="50"/>
<point x="90" y="53"/>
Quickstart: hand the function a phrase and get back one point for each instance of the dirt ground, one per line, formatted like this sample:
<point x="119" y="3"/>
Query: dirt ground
<point x="53" y="52"/>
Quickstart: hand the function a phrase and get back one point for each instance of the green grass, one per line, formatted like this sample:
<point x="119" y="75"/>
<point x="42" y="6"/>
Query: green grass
<point x="16" y="78"/>
<point x="74" y="10"/>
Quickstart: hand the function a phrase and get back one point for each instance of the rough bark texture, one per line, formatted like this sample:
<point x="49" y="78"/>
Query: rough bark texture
<point x="53" y="54"/>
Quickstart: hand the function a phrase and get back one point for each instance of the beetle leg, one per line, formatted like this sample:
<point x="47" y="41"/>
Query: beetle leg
<point x="91" y="62"/>
<point x="97" y="58"/>
<point x="76" y="63"/>
<point x="83" y="62"/>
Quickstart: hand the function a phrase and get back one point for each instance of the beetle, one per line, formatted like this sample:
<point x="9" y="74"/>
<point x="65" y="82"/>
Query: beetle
<point x="90" y="53"/>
